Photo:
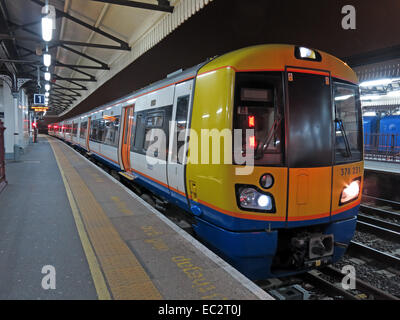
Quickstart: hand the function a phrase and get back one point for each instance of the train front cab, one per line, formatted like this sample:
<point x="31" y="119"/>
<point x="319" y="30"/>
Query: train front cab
<point x="297" y="207"/>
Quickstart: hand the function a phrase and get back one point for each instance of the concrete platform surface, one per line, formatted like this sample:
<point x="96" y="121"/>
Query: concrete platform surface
<point x="119" y="246"/>
<point x="390" y="167"/>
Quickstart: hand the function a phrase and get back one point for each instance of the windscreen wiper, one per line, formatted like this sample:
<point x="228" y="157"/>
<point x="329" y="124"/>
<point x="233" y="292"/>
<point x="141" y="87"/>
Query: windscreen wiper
<point x="344" y="135"/>
<point x="267" y="139"/>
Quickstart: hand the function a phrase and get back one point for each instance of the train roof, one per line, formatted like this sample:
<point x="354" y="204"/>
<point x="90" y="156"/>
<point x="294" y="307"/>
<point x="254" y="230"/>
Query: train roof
<point x="268" y="57"/>
<point x="275" y="57"/>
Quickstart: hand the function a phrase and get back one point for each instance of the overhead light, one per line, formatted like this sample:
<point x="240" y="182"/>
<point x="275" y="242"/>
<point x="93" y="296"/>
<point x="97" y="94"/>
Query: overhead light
<point x="47" y="87"/>
<point x="47" y="94"/>
<point x="48" y="22"/>
<point x="47" y="76"/>
<point x="47" y="59"/>
<point x="370" y="97"/>
<point x="394" y="93"/>
<point x="374" y="83"/>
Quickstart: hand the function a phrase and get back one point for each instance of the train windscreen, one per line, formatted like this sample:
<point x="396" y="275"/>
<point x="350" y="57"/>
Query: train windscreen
<point x="348" y="123"/>
<point x="259" y="106"/>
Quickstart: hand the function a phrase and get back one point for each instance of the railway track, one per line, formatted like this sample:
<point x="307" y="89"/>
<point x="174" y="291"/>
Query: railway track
<point x="329" y="279"/>
<point x="361" y="250"/>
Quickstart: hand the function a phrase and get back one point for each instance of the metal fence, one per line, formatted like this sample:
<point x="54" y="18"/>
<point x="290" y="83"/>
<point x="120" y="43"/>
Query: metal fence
<point x="3" y="180"/>
<point x="382" y="147"/>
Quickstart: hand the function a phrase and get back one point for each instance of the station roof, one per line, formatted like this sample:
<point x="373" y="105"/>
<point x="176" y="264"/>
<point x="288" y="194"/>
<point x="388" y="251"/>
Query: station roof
<point x="93" y="41"/>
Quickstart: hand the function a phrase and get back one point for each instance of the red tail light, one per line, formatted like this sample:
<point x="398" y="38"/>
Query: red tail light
<point x="252" y="121"/>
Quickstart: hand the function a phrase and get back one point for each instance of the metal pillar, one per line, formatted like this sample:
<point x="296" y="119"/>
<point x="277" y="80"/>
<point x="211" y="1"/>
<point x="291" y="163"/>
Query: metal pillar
<point x="3" y="181"/>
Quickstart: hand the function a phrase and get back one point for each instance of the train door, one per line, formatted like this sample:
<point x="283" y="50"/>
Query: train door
<point x="309" y="146"/>
<point x="178" y="137"/>
<point x="126" y="138"/>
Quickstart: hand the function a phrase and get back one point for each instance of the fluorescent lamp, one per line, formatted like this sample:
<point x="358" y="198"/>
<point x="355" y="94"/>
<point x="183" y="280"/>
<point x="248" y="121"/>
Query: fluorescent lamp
<point x="47" y="59"/>
<point x="370" y="97"/>
<point x="47" y="28"/>
<point x="47" y="76"/>
<point x="48" y="22"/>
<point x="374" y="83"/>
<point x="393" y="93"/>
<point x="47" y="87"/>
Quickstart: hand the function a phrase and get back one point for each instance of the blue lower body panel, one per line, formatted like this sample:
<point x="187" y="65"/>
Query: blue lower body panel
<point x="252" y="253"/>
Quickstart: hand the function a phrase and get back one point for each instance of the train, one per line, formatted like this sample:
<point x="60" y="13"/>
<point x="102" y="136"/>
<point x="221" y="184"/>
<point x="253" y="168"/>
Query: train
<point x="382" y="135"/>
<point x="261" y="148"/>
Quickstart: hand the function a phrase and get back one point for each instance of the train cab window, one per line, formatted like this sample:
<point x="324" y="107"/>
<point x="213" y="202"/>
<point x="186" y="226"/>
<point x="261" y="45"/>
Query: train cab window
<point x="82" y="132"/>
<point x="348" y="123"/>
<point x="259" y="106"/>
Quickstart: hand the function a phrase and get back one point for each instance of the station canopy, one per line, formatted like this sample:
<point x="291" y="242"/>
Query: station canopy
<point x="92" y="41"/>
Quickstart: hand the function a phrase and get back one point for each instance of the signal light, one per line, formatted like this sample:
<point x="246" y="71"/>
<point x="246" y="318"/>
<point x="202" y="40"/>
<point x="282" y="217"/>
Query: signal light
<point x="34" y="124"/>
<point x="252" y="121"/>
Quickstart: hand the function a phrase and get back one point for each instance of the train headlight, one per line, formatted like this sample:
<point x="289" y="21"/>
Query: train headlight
<point x="350" y="192"/>
<point x="252" y="199"/>
<point x="266" y="181"/>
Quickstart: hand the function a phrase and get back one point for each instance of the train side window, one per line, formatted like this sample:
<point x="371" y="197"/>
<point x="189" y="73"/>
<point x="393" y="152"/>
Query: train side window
<point x="82" y="132"/>
<point x="153" y="121"/>
<point x="94" y="127"/>
<point x="111" y="130"/>
<point x="139" y="132"/>
<point x="182" y="108"/>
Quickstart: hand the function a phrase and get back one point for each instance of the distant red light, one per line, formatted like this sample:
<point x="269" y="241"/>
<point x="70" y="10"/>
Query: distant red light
<point x="34" y="124"/>
<point x="252" y="121"/>
<point x="252" y="142"/>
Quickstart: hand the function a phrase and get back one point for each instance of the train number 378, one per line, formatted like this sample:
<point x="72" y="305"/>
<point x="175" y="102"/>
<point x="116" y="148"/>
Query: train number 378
<point x="350" y="171"/>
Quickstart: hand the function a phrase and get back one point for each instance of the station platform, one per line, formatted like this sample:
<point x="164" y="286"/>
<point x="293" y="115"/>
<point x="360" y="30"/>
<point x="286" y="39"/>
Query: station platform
<point x="103" y="241"/>
<point x="389" y="167"/>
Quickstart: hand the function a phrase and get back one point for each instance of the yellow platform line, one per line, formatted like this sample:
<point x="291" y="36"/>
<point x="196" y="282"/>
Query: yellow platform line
<point x="94" y="267"/>
<point x="125" y="276"/>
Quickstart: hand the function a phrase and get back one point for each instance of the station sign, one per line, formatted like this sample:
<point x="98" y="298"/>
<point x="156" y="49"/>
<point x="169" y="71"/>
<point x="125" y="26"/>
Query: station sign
<point x="39" y="108"/>
<point x="38" y="98"/>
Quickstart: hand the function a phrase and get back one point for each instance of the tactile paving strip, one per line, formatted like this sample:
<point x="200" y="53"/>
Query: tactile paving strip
<point x="125" y="276"/>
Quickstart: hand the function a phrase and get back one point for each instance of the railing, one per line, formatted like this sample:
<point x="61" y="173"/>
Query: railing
<point x="3" y="181"/>
<point x="382" y="147"/>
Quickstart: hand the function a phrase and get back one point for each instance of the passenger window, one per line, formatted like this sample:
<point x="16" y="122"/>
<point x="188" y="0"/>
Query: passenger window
<point x="153" y="120"/>
<point x="82" y="133"/>
<point x="111" y="130"/>
<point x="182" y="107"/>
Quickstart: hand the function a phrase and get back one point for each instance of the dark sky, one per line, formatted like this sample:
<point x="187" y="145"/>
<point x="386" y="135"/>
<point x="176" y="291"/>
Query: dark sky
<point x="225" y="25"/>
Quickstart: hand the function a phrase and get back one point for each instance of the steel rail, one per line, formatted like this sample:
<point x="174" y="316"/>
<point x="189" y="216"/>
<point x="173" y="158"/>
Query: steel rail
<point x="324" y="285"/>
<point x="358" y="249"/>
<point x="380" y="232"/>
<point x="379" y="223"/>
<point x="361" y="285"/>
